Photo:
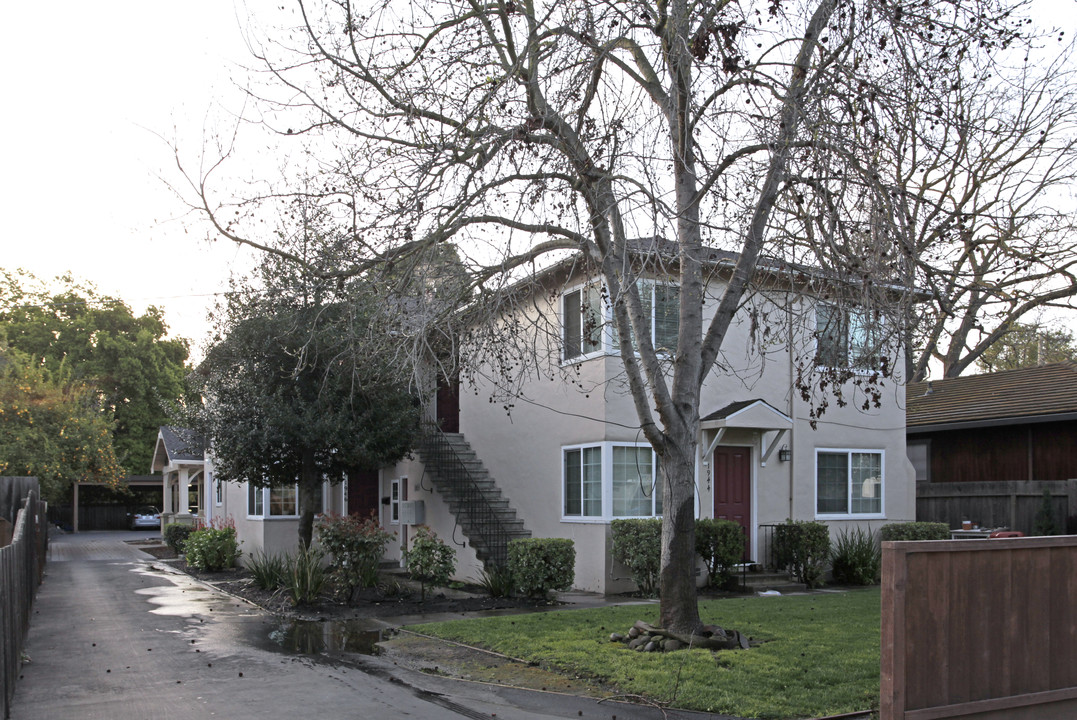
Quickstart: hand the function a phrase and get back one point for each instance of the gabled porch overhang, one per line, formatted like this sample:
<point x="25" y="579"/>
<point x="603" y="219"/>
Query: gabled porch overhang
<point x="755" y="415"/>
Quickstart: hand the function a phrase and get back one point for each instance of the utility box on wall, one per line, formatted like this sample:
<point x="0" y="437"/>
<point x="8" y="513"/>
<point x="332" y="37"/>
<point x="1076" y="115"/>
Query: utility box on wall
<point x="413" y="512"/>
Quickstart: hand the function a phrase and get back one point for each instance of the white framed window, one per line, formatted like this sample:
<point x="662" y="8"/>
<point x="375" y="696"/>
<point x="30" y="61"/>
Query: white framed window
<point x="848" y="483"/>
<point x="583" y="482"/>
<point x="847" y="338"/>
<point x="585" y="314"/>
<point x="582" y="317"/>
<point x="610" y="480"/>
<point x="394" y="501"/>
<point x="280" y="501"/>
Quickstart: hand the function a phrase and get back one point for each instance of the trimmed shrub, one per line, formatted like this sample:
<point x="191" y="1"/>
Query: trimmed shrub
<point x="212" y="549"/>
<point x="429" y="560"/>
<point x="915" y="531"/>
<point x="803" y="547"/>
<point x="306" y="575"/>
<point x="541" y="565"/>
<point x="176" y="534"/>
<point x="637" y="544"/>
<point x="856" y="558"/>
<point x="269" y="572"/>
<point x="356" y="545"/>
<point x="721" y="545"/>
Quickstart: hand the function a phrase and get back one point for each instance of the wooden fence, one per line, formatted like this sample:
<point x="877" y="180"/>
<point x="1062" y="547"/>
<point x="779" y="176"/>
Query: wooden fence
<point x="996" y="504"/>
<point x="983" y="629"/>
<point x="22" y="564"/>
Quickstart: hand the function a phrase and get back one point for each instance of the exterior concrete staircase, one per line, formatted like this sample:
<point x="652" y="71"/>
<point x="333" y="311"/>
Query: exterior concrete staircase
<point x="481" y="511"/>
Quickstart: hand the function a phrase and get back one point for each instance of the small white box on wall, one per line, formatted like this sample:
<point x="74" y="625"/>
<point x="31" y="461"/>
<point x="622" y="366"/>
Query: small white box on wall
<point x="413" y="512"/>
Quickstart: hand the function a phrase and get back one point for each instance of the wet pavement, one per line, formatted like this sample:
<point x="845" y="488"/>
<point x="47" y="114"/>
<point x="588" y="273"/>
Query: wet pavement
<point x="118" y="636"/>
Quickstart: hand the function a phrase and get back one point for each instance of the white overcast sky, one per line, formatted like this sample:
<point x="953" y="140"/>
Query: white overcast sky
<point x="86" y="86"/>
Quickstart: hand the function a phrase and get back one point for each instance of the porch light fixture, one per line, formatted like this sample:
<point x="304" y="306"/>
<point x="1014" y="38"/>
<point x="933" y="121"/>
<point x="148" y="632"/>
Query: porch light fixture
<point x="785" y="454"/>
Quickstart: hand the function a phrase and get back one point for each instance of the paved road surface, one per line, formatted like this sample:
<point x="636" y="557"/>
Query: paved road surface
<point x="117" y="636"/>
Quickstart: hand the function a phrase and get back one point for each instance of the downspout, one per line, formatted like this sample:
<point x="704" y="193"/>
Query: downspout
<point x="792" y="415"/>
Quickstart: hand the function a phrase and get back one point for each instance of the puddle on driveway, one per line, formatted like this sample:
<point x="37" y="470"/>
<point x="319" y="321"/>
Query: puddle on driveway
<point x="311" y="637"/>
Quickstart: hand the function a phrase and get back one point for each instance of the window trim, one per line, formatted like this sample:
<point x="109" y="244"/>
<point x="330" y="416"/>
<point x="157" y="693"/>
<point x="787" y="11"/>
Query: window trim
<point x="394" y="500"/>
<point x="608" y="343"/>
<point x="605" y="448"/>
<point x="846" y="324"/>
<point x="848" y="514"/>
<point x="252" y="491"/>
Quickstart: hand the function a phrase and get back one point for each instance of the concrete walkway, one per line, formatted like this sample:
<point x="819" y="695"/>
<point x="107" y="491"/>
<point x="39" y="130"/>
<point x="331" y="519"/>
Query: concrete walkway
<point x="117" y="636"/>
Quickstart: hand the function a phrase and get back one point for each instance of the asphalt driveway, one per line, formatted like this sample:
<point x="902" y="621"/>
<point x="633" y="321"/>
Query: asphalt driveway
<point x="117" y="636"/>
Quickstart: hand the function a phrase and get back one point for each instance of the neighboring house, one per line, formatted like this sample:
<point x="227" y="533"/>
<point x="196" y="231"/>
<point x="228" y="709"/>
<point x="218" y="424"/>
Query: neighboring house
<point x="997" y="427"/>
<point x="569" y="458"/>
<point x="266" y="519"/>
<point x="179" y="456"/>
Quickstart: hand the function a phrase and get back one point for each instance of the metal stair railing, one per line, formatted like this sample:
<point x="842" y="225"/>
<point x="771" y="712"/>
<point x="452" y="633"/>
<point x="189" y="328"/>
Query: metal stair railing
<point x="484" y="519"/>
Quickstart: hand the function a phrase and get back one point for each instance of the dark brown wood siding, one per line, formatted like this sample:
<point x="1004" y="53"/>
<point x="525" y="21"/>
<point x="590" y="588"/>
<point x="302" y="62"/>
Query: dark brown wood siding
<point x="1055" y="450"/>
<point x="1001" y="454"/>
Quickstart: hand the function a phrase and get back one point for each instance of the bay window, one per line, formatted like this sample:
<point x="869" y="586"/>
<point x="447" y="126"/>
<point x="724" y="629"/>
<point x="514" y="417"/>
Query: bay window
<point x="609" y="480"/>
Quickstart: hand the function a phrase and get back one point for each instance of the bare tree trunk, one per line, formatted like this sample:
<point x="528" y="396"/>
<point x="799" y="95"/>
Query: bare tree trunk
<point x="308" y="481"/>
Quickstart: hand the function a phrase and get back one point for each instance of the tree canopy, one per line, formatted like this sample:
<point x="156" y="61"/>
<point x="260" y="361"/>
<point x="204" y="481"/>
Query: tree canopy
<point x="301" y="385"/>
<point x="127" y="360"/>
<point x="52" y="427"/>
<point x="1027" y="345"/>
<point x="521" y="132"/>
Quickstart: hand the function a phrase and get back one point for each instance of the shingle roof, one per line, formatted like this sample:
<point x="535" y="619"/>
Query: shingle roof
<point x="1027" y="393"/>
<point x="182" y="444"/>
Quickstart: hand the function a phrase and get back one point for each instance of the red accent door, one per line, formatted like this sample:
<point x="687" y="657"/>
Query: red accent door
<point x="448" y="404"/>
<point x="733" y="489"/>
<point x="363" y="492"/>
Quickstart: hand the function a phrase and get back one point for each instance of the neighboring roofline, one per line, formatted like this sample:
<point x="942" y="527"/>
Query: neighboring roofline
<point x="991" y="422"/>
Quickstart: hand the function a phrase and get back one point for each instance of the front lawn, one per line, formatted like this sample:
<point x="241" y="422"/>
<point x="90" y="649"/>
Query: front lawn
<point x="819" y="655"/>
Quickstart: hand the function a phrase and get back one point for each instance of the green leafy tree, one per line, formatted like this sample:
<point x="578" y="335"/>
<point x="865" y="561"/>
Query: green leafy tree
<point x="125" y="359"/>
<point x="302" y="385"/>
<point x="1029" y="345"/>
<point x="52" y="427"/>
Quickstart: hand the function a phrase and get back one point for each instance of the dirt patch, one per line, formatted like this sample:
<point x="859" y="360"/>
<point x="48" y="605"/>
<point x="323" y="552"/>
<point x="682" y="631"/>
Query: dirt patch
<point x="154" y="548"/>
<point x="440" y="657"/>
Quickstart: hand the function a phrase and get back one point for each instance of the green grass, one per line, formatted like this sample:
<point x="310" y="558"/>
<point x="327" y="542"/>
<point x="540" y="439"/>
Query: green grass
<point x="820" y="654"/>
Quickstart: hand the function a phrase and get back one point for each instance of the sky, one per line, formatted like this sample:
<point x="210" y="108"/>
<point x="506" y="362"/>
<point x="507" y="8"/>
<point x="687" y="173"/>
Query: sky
<point x="92" y="93"/>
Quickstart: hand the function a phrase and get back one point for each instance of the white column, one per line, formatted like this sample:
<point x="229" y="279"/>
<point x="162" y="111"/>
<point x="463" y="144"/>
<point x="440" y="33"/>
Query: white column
<point x="166" y="502"/>
<point x="184" y="490"/>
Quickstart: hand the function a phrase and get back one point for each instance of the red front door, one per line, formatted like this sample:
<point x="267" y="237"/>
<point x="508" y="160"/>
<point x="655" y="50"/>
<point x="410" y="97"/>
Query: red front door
<point x="363" y="492"/>
<point x="733" y="489"/>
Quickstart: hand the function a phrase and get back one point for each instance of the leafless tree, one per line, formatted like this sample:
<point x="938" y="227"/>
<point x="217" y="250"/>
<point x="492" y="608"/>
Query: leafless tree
<point x="982" y="199"/>
<point x="520" y="131"/>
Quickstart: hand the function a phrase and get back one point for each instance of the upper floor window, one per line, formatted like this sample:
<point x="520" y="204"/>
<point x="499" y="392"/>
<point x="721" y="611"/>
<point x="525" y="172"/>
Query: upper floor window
<point x="584" y="314"/>
<point x="847" y="338"/>
<point x="848" y="482"/>
<point x="582" y="318"/>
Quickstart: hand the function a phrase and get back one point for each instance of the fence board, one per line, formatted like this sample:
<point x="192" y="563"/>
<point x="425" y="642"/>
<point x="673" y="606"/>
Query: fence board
<point x="979" y="629"/>
<point x="995" y="504"/>
<point x="21" y="568"/>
